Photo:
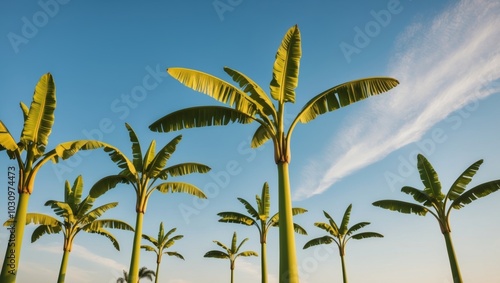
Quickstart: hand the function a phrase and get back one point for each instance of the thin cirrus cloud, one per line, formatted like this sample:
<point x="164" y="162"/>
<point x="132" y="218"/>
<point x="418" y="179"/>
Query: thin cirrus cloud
<point x="84" y="253"/>
<point x="442" y="65"/>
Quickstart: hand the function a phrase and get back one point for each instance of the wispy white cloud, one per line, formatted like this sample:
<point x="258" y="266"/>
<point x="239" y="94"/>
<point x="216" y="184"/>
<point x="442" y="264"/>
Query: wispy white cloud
<point x="442" y="66"/>
<point x="253" y="270"/>
<point x="30" y="269"/>
<point x="84" y="253"/>
<point x="81" y="275"/>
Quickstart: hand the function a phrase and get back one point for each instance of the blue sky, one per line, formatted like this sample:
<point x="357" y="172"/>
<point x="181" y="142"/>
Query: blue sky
<point x="103" y="55"/>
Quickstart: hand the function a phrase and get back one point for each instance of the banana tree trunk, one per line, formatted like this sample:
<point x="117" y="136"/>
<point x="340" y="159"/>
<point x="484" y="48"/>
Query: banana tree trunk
<point x="14" y="244"/>
<point x="344" y="271"/>
<point x="157" y="271"/>
<point x="64" y="265"/>
<point x="232" y="271"/>
<point x="136" y="250"/>
<point x="455" y="269"/>
<point x="288" y="258"/>
<point x="263" y="261"/>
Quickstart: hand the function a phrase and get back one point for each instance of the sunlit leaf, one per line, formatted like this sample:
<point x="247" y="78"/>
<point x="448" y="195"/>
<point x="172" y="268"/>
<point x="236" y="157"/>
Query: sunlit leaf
<point x="356" y="227"/>
<point x="235" y="217"/>
<point x="477" y="192"/>
<point x="418" y="195"/>
<point x="429" y="178"/>
<point x="253" y="212"/>
<point x="6" y="139"/>
<point x="38" y="124"/>
<point x="105" y="184"/>
<point x="256" y="92"/>
<point x="202" y="116"/>
<point x="402" y="206"/>
<point x="44" y="229"/>
<point x="318" y="241"/>
<point x="298" y="229"/>
<point x="345" y="220"/>
<point x="261" y="136"/>
<point x="286" y="67"/>
<point x="183" y="169"/>
<point x="215" y="88"/>
<point x="463" y="180"/>
<point x="343" y="95"/>
<point x="160" y="160"/>
<point x="136" y="148"/>
<point x="181" y="187"/>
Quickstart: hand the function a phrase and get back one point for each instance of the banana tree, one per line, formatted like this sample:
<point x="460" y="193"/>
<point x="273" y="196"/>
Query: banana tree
<point x="144" y="272"/>
<point x="141" y="173"/>
<point x="230" y="253"/>
<point x="432" y="200"/>
<point x="160" y="244"/>
<point x="30" y="155"/>
<point x="77" y="216"/>
<point x="248" y="102"/>
<point x="260" y="218"/>
<point x="341" y="235"/>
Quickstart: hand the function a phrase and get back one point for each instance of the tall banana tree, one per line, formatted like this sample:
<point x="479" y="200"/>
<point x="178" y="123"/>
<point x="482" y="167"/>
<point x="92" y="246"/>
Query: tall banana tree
<point x="141" y="173"/>
<point x="30" y="154"/>
<point x="432" y="200"/>
<point x="248" y="102"/>
<point x="78" y="216"/>
<point x="164" y="241"/>
<point x="260" y="218"/>
<point x="231" y="253"/>
<point x="341" y="235"/>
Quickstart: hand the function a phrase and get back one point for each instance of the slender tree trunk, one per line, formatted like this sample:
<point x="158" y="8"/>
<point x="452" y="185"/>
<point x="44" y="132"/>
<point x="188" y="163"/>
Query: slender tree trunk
<point x="288" y="259"/>
<point x="157" y="271"/>
<point x="15" y="241"/>
<point x="232" y="272"/>
<point x="263" y="261"/>
<point x="455" y="269"/>
<point x="344" y="271"/>
<point x="64" y="265"/>
<point x="136" y="250"/>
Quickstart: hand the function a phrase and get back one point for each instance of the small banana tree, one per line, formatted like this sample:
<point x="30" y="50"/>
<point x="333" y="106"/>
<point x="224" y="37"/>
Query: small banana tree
<point x="30" y="154"/>
<point x="144" y="272"/>
<point x="230" y="253"/>
<point x="78" y="216"/>
<point x="432" y="200"/>
<point x="341" y="235"/>
<point x="164" y="241"/>
<point x="247" y="102"/>
<point x="141" y="173"/>
<point x="259" y="217"/>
